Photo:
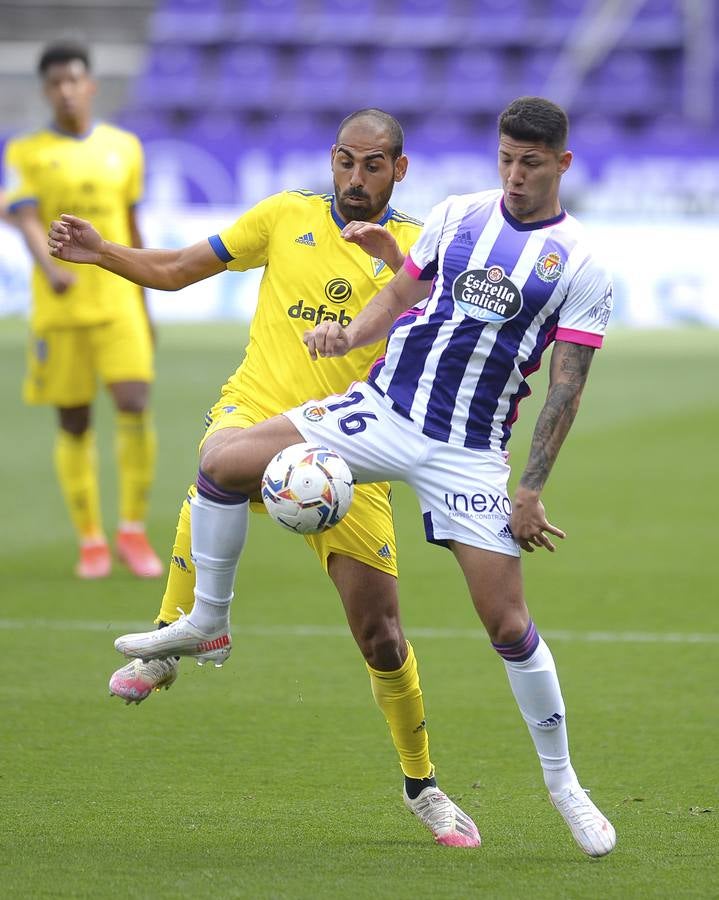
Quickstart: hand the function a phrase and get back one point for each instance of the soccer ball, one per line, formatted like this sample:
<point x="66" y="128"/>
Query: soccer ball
<point x="307" y="488"/>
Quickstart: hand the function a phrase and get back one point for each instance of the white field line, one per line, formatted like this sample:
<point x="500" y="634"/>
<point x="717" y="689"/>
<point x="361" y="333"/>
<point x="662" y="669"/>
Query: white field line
<point x="281" y="631"/>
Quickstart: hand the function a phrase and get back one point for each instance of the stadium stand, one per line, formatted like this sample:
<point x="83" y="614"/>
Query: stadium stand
<point x="634" y="74"/>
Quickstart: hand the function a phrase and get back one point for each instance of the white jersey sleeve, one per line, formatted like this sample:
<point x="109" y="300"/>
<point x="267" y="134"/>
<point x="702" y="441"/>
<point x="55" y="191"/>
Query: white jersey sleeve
<point x="422" y="260"/>
<point x="584" y="315"/>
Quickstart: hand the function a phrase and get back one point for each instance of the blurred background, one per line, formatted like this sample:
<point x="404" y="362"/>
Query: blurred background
<point x="236" y="99"/>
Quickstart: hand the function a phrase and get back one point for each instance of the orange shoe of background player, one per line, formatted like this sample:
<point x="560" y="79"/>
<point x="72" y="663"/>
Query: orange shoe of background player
<point x="95" y="560"/>
<point x="135" y="551"/>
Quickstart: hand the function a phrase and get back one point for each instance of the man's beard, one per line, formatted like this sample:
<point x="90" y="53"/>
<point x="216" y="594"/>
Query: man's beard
<point x="365" y="212"/>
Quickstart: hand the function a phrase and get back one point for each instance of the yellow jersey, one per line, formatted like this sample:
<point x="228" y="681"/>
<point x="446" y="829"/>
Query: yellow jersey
<point x="97" y="176"/>
<point x="311" y="274"/>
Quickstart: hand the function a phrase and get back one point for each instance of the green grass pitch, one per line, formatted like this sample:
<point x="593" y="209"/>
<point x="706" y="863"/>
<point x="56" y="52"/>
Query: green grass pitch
<point x="275" y="777"/>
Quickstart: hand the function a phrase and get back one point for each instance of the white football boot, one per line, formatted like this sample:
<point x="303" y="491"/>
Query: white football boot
<point x="593" y="832"/>
<point x="449" y="825"/>
<point x="181" y="638"/>
<point x="135" y="682"/>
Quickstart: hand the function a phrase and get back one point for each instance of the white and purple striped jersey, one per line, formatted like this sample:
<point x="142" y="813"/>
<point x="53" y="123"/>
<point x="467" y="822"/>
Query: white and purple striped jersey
<point x="502" y="292"/>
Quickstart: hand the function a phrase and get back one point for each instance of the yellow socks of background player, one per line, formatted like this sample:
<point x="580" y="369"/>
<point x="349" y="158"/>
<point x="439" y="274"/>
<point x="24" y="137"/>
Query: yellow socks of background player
<point x="179" y="591"/>
<point x="399" y="696"/>
<point x="136" y="448"/>
<point x="76" y="467"/>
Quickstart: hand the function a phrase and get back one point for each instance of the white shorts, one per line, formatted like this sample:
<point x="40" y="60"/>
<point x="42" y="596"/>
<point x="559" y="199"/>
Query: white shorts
<point x="462" y="492"/>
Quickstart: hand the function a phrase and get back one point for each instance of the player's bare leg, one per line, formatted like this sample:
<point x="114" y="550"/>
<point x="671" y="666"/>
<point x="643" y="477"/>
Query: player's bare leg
<point x="371" y="604"/>
<point x="495" y="583"/>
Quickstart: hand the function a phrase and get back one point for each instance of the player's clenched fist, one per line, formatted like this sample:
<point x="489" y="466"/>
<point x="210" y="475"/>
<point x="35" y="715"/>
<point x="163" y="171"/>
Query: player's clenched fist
<point x="74" y="240"/>
<point x="327" y="339"/>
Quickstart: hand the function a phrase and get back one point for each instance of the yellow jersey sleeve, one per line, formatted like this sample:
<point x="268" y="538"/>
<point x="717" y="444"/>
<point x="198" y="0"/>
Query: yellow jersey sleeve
<point x="17" y="177"/>
<point x="245" y="244"/>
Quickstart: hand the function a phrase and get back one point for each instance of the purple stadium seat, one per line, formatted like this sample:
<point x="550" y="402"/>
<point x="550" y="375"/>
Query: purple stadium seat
<point x="173" y="78"/>
<point x="475" y="81"/>
<point x="246" y="77"/>
<point x="530" y="78"/>
<point x="343" y="9"/>
<point x="593" y="133"/>
<point x="272" y="7"/>
<point x="669" y="12"/>
<point x="182" y="6"/>
<point x="321" y="78"/>
<point x="291" y="131"/>
<point x="566" y="8"/>
<point x="626" y="82"/>
<point x="442" y="133"/>
<point x="505" y="12"/>
<point x="669" y="134"/>
<point x="261" y="18"/>
<point x="188" y="21"/>
<point x="423" y="8"/>
<point x="397" y="80"/>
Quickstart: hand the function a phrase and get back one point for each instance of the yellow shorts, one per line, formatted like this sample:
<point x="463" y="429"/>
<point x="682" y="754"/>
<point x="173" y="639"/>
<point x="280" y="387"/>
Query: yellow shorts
<point x="64" y="364"/>
<point x="367" y="531"/>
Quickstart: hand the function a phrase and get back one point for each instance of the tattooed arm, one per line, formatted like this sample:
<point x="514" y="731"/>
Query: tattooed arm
<point x="567" y="376"/>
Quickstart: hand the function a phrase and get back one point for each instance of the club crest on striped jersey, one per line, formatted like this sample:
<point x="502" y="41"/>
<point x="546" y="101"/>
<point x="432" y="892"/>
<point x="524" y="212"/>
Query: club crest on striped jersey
<point x="549" y="267"/>
<point x="314" y="413"/>
<point x="487" y="295"/>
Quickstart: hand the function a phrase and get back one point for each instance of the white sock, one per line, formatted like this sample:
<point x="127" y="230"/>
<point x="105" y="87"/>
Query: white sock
<point x="536" y="689"/>
<point x="218" y="532"/>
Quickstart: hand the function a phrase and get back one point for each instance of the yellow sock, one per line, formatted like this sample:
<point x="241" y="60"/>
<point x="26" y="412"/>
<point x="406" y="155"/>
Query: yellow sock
<point x="136" y="446"/>
<point x="399" y="696"/>
<point x="76" y="467"/>
<point x="180" y="587"/>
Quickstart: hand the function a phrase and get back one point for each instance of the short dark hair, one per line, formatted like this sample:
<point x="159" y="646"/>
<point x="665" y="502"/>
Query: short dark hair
<point x="63" y="52"/>
<point x="385" y="120"/>
<point x="537" y="120"/>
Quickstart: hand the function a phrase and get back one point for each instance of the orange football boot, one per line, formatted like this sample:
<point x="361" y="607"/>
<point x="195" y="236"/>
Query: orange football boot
<point x="95" y="560"/>
<point x="135" y="551"/>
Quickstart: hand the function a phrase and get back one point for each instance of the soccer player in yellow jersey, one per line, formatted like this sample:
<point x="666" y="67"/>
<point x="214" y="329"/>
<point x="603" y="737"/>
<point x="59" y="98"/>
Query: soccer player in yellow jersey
<point x="324" y="257"/>
<point x="86" y="324"/>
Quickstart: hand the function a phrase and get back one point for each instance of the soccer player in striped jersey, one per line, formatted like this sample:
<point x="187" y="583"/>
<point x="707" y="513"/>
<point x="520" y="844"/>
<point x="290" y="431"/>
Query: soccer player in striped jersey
<point x="494" y="279"/>
<point x="86" y="324"/>
<point x="324" y="258"/>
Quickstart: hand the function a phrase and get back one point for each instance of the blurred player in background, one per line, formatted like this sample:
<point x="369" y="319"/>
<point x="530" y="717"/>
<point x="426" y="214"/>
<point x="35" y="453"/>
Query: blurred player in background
<point x="86" y="324"/>
<point x="324" y="257"/>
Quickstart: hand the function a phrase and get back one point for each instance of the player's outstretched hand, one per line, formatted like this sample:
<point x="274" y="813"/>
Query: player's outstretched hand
<point x="529" y="522"/>
<point x="327" y="339"/>
<point x="74" y="240"/>
<point x="375" y="240"/>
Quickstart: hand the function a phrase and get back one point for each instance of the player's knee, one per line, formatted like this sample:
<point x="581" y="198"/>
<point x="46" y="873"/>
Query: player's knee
<point x="214" y="464"/>
<point x="228" y="464"/>
<point x="75" y="421"/>
<point x="135" y="405"/>
<point x="384" y="648"/>
<point x="507" y="629"/>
